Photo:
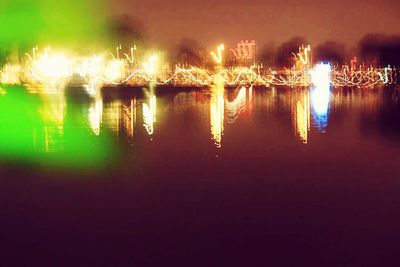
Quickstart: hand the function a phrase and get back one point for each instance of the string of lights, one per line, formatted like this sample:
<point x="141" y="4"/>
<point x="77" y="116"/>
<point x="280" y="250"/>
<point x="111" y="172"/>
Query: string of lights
<point x="53" y="67"/>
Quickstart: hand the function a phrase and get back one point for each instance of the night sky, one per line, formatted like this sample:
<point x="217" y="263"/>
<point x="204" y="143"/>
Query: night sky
<point x="211" y="21"/>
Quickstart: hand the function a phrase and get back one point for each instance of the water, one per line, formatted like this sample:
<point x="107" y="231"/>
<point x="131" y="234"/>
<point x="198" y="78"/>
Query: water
<point x="212" y="177"/>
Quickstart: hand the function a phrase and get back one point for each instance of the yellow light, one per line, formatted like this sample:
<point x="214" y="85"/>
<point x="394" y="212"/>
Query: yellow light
<point x="129" y="117"/>
<point x="301" y="116"/>
<point x="56" y="68"/>
<point x="90" y="66"/>
<point x="114" y="70"/>
<point x="218" y="57"/>
<point x="112" y="115"/>
<point x="11" y="74"/>
<point x="52" y="66"/>
<point x="303" y="57"/>
<point x="151" y="65"/>
<point x="217" y="114"/>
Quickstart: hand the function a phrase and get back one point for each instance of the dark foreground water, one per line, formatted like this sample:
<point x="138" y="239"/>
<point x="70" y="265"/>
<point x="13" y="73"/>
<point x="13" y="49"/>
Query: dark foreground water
<point x="213" y="177"/>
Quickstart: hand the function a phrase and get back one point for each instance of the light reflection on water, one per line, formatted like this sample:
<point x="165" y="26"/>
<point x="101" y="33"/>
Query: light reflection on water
<point x="52" y="129"/>
<point x="217" y="114"/>
<point x="301" y="114"/>
<point x="320" y="107"/>
<point x="240" y="160"/>
<point x="33" y="124"/>
<point x="149" y="114"/>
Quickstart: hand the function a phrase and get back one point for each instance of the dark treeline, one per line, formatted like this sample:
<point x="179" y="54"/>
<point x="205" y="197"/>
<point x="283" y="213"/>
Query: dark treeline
<point x="187" y="52"/>
<point x="380" y="49"/>
<point x="330" y="51"/>
<point x="284" y="54"/>
<point x="375" y="49"/>
<point x="126" y="30"/>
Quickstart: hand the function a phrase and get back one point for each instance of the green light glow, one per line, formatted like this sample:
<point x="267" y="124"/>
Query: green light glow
<point x="62" y="21"/>
<point x="49" y="131"/>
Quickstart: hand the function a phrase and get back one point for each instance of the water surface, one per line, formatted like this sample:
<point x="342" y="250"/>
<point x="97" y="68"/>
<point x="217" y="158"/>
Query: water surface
<point x="210" y="177"/>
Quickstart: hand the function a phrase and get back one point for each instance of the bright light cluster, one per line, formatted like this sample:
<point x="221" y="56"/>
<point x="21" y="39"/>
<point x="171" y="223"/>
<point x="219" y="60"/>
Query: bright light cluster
<point x="320" y="75"/>
<point x="51" y="66"/>
<point x="125" y="68"/>
<point x="151" y="65"/>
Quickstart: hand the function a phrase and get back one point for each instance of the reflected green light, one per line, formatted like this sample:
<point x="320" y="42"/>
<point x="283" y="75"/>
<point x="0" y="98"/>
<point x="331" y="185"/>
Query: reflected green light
<point x="49" y="131"/>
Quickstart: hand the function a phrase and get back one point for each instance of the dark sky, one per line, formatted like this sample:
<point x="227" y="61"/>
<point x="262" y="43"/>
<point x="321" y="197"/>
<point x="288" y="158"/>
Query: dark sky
<point x="211" y="21"/>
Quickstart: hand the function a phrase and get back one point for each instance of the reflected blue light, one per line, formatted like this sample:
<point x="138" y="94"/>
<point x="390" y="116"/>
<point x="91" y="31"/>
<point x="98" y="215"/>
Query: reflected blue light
<point x="320" y="95"/>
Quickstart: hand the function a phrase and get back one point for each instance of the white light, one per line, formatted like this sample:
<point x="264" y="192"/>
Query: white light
<point x="320" y="75"/>
<point x="320" y="95"/>
<point x="320" y="100"/>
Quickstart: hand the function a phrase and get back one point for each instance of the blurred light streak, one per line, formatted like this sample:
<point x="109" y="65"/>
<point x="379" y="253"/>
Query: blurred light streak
<point x="218" y="56"/>
<point x="301" y="115"/>
<point x="320" y="94"/>
<point x="95" y="116"/>
<point x="149" y="114"/>
<point x="129" y="117"/>
<point x="217" y="114"/>
<point x="237" y="106"/>
<point x="48" y="67"/>
<point x="303" y="56"/>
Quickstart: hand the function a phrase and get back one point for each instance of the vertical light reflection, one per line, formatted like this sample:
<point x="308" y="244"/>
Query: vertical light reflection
<point x="95" y="115"/>
<point x="129" y="117"/>
<point x="320" y="95"/>
<point x="301" y="115"/>
<point x="237" y="106"/>
<point x="320" y="105"/>
<point x="51" y="129"/>
<point x="52" y="113"/>
<point x="149" y="114"/>
<point x="217" y="113"/>
<point x="112" y="116"/>
<point x="251" y="99"/>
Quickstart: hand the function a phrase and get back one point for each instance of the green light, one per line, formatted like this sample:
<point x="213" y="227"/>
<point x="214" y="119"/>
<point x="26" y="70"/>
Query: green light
<point x="47" y="21"/>
<point x="49" y="132"/>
